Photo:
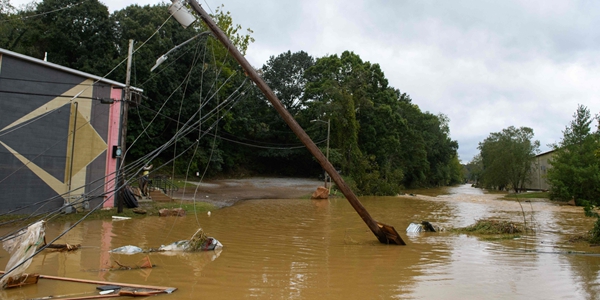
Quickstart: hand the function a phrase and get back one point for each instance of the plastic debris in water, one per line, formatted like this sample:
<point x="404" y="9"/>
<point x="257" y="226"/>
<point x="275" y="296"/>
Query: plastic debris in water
<point x="198" y="242"/>
<point x="414" y="227"/>
<point x="21" y="246"/>
<point x="424" y="226"/>
<point x="129" y="249"/>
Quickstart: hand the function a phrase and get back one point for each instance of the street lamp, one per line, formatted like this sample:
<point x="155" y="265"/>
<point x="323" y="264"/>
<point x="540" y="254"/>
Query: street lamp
<point x="327" y="151"/>
<point x="181" y="13"/>
<point x="164" y="57"/>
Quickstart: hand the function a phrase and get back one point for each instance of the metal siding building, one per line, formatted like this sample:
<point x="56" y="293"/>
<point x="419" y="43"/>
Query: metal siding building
<point x="537" y="178"/>
<point x="55" y="135"/>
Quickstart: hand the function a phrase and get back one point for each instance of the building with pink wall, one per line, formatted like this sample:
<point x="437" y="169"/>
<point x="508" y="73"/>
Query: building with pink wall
<point x="58" y="131"/>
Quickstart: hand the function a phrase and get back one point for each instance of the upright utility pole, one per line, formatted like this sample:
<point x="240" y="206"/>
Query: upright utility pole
<point x="123" y="133"/>
<point x="327" y="154"/>
<point x="385" y="233"/>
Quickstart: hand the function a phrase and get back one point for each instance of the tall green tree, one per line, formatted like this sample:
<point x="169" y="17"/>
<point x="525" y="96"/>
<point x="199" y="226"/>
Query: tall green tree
<point x="18" y="29"/>
<point x="80" y="37"/>
<point x="575" y="172"/>
<point x="285" y="76"/>
<point x="284" y="73"/>
<point x="330" y="93"/>
<point x="507" y="157"/>
<point x="474" y="169"/>
<point x="385" y="141"/>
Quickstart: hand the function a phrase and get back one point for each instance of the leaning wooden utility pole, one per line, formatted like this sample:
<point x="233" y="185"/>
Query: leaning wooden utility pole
<point x="385" y="233"/>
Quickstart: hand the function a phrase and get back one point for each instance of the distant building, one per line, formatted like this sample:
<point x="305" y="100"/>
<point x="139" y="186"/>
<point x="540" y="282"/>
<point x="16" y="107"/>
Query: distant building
<point x="58" y="128"/>
<point x="537" y="178"/>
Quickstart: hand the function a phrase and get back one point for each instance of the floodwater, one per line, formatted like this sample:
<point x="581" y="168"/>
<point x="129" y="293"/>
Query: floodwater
<point x="309" y="249"/>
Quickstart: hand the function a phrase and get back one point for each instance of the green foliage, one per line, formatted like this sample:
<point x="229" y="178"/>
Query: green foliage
<point x="379" y="139"/>
<point x="474" y="169"/>
<point x="386" y="142"/>
<point x="575" y="172"/>
<point x="507" y="157"/>
<point x="590" y="211"/>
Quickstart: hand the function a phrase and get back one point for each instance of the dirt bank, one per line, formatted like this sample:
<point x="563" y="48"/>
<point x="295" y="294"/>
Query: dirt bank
<point x="226" y="192"/>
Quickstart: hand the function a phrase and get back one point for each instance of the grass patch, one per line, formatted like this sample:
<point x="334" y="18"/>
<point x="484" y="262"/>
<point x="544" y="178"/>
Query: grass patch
<point x="544" y="195"/>
<point x="491" y="227"/>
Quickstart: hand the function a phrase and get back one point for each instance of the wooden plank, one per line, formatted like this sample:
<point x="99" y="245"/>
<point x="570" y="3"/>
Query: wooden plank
<point x="25" y="279"/>
<point x="98" y="282"/>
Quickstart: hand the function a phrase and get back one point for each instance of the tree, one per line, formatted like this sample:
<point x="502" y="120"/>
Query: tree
<point x="474" y="169"/>
<point x="285" y="76"/>
<point x="18" y="30"/>
<point x="385" y="141"/>
<point x="575" y="172"/>
<point x="507" y="158"/>
<point x="80" y="37"/>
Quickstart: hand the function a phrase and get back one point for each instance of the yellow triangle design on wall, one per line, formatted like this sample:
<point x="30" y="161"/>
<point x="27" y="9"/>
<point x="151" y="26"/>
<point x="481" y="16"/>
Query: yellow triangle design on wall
<point x="58" y="186"/>
<point x="88" y="146"/>
<point x="78" y="90"/>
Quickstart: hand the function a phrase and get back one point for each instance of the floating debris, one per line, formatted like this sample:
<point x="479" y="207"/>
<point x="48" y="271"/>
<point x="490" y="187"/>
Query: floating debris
<point x="144" y="264"/>
<point x="321" y="193"/>
<point x="21" y="246"/>
<point x="424" y="226"/>
<point x="129" y="249"/>
<point x="63" y="247"/>
<point x="176" y="212"/>
<point x="198" y="242"/>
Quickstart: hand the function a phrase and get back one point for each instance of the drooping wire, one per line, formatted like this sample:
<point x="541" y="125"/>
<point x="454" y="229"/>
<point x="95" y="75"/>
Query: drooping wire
<point x="44" y="13"/>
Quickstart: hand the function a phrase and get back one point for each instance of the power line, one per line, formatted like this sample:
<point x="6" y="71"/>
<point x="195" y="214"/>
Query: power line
<point x="277" y="147"/>
<point x="47" y="81"/>
<point x="45" y="13"/>
<point x="53" y="95"/>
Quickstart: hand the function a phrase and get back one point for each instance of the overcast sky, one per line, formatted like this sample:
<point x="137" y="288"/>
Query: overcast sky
<point x="487" y="65"/>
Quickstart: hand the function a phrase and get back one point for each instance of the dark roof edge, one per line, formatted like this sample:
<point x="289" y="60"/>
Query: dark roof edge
<point x="65" y="69"/>
<point x="544" y="153"/>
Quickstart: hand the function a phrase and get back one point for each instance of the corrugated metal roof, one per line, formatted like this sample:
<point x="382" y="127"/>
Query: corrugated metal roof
<point x="65" y="69"/>
<point x="544" y="153"/>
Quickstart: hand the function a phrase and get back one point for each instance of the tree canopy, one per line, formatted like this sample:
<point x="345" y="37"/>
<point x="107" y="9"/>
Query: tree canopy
<point x="507" y="158"/>
<point x="575" y="172"/>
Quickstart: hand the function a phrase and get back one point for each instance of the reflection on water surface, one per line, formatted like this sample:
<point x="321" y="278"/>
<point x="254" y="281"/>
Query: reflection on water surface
<point x="308" y="249"/>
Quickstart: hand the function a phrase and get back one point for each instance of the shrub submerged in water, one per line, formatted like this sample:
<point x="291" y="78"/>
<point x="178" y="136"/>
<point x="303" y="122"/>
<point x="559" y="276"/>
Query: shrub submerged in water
<point x="492" y="227"/>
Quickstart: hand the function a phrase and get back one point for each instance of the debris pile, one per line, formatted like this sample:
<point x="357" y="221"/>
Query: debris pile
<point x="176" y="212"/>
<point x="493" y="227"/>
<point x="198" y="242"/>
<point x="321" y="193"/>
<point x="21" y="246"/>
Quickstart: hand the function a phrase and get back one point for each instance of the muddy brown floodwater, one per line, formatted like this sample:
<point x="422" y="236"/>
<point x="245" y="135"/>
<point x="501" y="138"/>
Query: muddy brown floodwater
<point x="308" y="249"/>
